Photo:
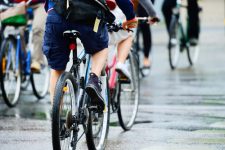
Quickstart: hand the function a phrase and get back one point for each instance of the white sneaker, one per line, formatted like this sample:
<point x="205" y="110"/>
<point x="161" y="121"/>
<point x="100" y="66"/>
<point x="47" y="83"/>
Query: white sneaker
<point x="35" y="67"/>
<point x="145" y="71"/>
<point x="122" y="68"/>
<point x="173" y="41"/>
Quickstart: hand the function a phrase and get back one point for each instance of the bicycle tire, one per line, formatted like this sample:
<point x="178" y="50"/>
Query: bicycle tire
<point x="58" y="123"/>
<point x="138" y="48"/>
<point x="92" y="138"/>
<point x="40" y="82"/>
<point x="123" y="111"/>
<point x="174" y="42"/>
<point x="10" y="96"/>
<point x="25" y="82"/>
<point x="193" y="54"/>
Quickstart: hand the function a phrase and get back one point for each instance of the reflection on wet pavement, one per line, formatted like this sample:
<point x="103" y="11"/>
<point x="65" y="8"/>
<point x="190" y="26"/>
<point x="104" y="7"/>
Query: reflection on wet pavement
<point x="28" y="107"/>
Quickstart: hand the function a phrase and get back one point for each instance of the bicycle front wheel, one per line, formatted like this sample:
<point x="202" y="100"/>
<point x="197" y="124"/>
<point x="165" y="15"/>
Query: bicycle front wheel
<point x="128" y="95"/>
<point x="40" y="81"/>
<point x="10" y="72"/>
<point x="98" y="122"/>
<point x="138" y="44"/>
<point x="64" y="136"/>
<point x="174" y="42"/>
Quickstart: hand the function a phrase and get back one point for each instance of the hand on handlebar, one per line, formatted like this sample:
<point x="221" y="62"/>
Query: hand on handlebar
<point x="153" y="20"/>
<point x="130" y="24"/>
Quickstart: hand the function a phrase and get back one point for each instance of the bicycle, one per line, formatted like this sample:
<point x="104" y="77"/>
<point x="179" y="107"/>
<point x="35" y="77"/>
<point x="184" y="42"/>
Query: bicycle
<point x="124" y="94"/>
<point x="71" y="111"/>
<point x="15" y="71"/>
<point x="179" y="40"/>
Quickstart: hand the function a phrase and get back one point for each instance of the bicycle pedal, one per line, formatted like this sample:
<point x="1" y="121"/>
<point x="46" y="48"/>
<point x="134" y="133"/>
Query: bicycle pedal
<point x="124" y="80"/>
<point x="93" y="107"/>
<point x="96" y="109"/>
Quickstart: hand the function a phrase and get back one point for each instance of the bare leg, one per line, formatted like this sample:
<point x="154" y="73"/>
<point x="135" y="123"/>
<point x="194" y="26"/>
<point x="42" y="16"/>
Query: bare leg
<point x="124" y="49"/>
<point x="53" y="79"/>
<point x="98" y="61"/>
<point x="93" y="88"/>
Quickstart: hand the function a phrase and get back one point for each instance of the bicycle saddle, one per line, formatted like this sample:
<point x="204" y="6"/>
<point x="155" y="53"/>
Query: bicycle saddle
<point x="71" y="34"/>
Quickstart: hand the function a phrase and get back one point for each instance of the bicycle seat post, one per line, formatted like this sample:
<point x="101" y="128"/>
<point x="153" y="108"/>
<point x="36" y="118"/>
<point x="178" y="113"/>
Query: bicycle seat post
<point x="71" y="36"/>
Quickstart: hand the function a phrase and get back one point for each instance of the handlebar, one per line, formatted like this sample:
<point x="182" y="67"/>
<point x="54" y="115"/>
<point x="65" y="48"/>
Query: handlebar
<point x="115" y="27"/>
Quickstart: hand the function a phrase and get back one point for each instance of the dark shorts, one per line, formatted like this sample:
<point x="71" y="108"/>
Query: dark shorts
<point x="55" y="46"/>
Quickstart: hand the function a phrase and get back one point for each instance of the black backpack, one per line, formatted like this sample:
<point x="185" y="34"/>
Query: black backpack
<point x="84" y="11"/>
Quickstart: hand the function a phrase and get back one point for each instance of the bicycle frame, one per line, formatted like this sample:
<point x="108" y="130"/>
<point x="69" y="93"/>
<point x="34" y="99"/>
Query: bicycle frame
<point x="80" y="107"/>
<point x="111" y="67"/>
<point x="83" y="57"/>
<point x="176" y="13"/>
<point x="77" y="60"/>
<point x="24" y="56"/>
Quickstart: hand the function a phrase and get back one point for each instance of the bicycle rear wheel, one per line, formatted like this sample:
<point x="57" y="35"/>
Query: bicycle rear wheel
<point x="64" y="136"/>
<point x="40" y="81"/>
<point x="193" y="53"/>
<point x="128" y="95"/>
<point x="10" y="72"/>
<point x="174" y="42"/>
<point x="98" y="122"/>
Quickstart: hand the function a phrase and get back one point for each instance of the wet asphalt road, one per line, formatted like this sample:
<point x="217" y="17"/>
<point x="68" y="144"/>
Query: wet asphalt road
<point x="179" y="110"/>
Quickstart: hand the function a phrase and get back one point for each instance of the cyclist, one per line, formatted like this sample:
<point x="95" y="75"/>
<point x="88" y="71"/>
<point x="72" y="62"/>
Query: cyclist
<point x="193" y="14"/>
<point x="147" y="39"/>
<point x="95" y="44"/>
<point x="38" y="25"/>
<point x="124" y="39"/>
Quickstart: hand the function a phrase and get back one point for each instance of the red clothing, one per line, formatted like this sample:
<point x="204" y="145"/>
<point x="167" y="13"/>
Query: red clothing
<point x="32" y="2"/>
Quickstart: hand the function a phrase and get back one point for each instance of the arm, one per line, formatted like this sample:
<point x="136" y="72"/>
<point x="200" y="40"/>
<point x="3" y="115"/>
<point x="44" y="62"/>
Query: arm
<point x="148" y="6"/>
<point x="127" y="8"/>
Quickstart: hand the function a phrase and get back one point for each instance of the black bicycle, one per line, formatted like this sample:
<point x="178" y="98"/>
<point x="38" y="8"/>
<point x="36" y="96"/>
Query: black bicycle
<point x="178" y="38"/>
<point x="72" y="115"/>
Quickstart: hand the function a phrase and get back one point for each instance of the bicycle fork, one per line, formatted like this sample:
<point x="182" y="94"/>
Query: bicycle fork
<point x="26" y="58"/>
